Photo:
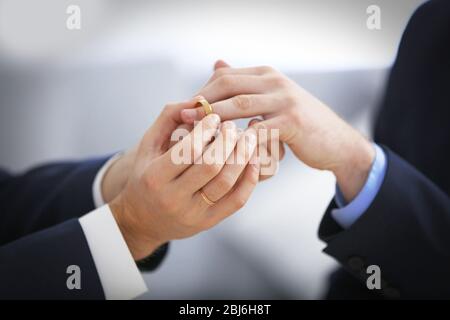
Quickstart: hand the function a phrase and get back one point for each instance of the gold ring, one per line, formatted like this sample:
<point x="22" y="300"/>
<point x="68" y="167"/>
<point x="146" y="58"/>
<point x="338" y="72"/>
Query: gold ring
<point x="207" y="200"/>
<point x="206" y="106"/>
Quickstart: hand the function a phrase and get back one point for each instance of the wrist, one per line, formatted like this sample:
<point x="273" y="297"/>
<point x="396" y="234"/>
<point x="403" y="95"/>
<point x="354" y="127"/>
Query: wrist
<point x="352" y="172"/>
<point x="116" y="176"/>
<point x="138" y="243"/>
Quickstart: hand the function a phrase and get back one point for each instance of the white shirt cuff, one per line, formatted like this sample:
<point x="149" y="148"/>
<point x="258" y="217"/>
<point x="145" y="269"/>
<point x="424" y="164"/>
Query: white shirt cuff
<point x="97" y="185"/>
<point x="117" y="270"/>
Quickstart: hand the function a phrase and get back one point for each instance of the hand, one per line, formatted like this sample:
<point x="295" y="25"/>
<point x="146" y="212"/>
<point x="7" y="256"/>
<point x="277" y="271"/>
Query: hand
<point x="269" y="159"/>
<point x="316" y="135"/>
<point x="116" y="177"/>
<point x="161" y="200"/>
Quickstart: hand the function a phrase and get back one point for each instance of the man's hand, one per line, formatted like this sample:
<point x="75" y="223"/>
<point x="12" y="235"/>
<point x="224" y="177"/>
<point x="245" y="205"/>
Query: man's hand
<point x="269" y="159"/>
<point x="116" y="177"/>
<point x="162" y="200"/>
<point x="316" y="135"/>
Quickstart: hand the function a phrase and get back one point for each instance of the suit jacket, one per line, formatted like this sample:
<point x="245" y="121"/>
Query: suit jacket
<point x="406" y="230"/>
<point x="40" y="235"/>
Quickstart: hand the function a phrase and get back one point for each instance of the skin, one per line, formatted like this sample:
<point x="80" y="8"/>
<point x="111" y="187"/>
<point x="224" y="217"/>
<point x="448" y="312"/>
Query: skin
<point x="316" y="135"/>
<point x="154" y="200"/>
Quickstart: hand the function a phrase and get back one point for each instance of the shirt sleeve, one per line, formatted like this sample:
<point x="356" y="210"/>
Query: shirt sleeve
<point x="97" y="185"/>
<point x="117" y="270"/>
<point x="346" y="214"/>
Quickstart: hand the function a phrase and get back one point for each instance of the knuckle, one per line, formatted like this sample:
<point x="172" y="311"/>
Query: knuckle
<point x="242" y="102"/>
<point x="277" y="80"/>
<point x="220" y="73"/>
<point x="224" y="183"/>
<point x="212" y="169"/>
<point x="290" y="100"/>
<point x="226" y="81"/>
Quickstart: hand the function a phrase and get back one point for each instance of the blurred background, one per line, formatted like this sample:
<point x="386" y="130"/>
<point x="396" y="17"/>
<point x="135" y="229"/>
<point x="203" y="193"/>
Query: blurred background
<point x="72" y="94"/>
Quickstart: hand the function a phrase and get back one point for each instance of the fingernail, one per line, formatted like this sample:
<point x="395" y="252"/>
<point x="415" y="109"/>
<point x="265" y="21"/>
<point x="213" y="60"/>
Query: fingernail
<point x="229" y="125"/>
<point x="189" y="114"/>
<point x="253" y="122"/>
<point x="215" y="118"/>
<point x="258" y="126"/>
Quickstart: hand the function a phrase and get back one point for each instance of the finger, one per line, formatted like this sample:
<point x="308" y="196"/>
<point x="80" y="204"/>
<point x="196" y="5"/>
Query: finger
<point x="270" y="151"/>
<point x="269" y="169"/>
<point x="277" y="129"/>
<point x="253" y="121"/>
<point x="180" y="132"/>
<point x="237" y="198"/>
<point x="213" y="160"/>
<point x="236" y="163"/>
<point x="186" y="152"/>
<point x="220" y="64"/>
<point x="225" y="69"/>
<point x="271" y="165"/>
<point x="231" y="85"/>
<point x="281" y="149"/>
<point x="240" y="106"/>
<point x="156" y="138"/>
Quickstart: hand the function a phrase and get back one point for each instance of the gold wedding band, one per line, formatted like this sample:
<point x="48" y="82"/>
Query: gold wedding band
<point x="206" y="106"/>
<point x="207" y="200"/>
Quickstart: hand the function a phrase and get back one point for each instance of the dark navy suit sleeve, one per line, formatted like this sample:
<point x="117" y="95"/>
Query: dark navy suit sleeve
<point x="45" y="196"/>
<point x="405" y="232"/>
<point x="35" y="266"/>
<point x="40" y="235"/>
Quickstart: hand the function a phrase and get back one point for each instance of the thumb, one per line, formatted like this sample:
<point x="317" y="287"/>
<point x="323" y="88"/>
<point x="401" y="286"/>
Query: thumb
<point x="158" y="135"/>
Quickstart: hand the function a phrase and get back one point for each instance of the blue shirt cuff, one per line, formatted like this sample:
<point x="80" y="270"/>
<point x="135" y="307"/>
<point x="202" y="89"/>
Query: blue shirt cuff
<point x="346" y="214"/>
